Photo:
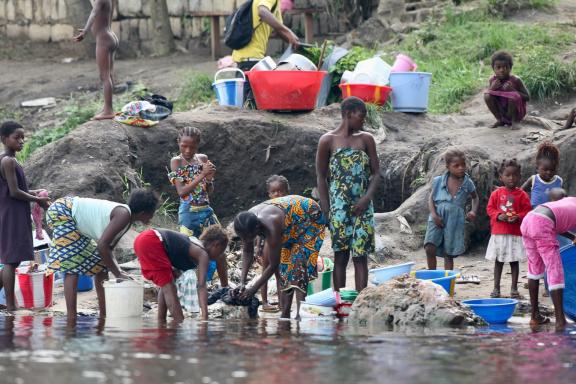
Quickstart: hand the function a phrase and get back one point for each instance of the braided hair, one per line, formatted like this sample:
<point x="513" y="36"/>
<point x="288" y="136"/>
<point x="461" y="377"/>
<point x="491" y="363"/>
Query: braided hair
<point x="509" y="163"/>
<point x="548" y="151"/>
<point x="189" y="131"/>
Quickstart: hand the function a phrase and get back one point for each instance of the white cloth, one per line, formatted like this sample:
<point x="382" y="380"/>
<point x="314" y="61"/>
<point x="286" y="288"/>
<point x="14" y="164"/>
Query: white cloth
<point x="506" y="248"/>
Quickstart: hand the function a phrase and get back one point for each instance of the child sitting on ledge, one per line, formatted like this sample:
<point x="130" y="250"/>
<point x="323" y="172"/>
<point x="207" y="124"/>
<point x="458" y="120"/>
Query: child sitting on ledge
<point x="506" y="96"/>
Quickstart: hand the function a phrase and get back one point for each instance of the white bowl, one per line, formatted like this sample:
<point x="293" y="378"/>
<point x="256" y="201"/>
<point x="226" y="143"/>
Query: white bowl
<point x="266" y="64"/>
<point x="301" y="62"/>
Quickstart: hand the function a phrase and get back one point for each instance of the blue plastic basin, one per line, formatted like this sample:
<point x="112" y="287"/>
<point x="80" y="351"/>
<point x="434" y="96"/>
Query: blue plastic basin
<point x="380" y="275"/>
<point x="493" y="311"/>
<point x="445" y="279"/>
<point x="85" y="283"/>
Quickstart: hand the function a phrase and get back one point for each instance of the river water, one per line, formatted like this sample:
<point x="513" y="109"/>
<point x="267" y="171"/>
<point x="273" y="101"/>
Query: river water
<point x="36" y="349"/>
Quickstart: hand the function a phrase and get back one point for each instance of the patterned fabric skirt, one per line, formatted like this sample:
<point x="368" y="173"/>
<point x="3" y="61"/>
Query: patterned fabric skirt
<point x="302" y="239"/>
<point x="505" y="248"/>
<point x="70" y="251"/>
<point x="194" y="220"/>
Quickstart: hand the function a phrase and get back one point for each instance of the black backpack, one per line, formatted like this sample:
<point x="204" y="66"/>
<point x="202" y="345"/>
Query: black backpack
<point x="238" y="31"/>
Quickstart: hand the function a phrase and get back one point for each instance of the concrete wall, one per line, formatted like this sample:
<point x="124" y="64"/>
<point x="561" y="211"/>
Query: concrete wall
<point x="47" y="20"/>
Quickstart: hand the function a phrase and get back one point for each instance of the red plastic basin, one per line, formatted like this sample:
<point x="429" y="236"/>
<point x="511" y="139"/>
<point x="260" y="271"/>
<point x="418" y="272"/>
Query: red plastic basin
<point x="377" y="94"/>
<point x="286" y="90"/>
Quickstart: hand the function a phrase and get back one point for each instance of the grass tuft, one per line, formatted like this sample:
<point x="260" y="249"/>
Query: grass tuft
<point x="197" y="89"/>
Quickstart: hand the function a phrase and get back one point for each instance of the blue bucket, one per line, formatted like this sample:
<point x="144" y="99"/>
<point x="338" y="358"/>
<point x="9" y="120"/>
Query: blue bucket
<point x="568" y="255"/>
<point x="445" y="279"/>
<point x="85" y="283"/>
<point x="229" y="91"/>
<point x="493" y="311"/>
<point x="410" y="91"/>
<point x="381" y="275"/>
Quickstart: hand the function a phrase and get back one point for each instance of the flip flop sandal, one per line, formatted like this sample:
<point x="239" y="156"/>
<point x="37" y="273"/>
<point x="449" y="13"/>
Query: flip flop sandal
<point x="468" y="279"/>
<point x="270" y="310"/>
<point x="516" y="295"/>
<point x="495" y="294"/>
<point x="543" y="319"/>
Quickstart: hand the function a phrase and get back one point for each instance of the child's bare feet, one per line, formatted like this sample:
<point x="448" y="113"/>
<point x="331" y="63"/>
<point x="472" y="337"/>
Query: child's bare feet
<point x="514" y="126"/>
<point x="104" y="116"/>
<point x="497" y="124"/>
<point x="539" y="320"/>
<point x="266" y="307"/>
<point x="560" y="325"/>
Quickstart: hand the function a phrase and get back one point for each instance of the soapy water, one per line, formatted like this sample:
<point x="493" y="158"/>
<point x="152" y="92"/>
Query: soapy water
<point x="36" y="349"/>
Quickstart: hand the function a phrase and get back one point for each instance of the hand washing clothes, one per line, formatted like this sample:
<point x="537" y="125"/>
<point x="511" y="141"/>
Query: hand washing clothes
<point x="450" y="239"/>
<point x="302" y="239"/>
<point x="16" y="244"/>
<point x="505" y="243"/>
<point x="227" y="297"/>
<point x="540" y="189"/>
<point x="349" y="180"/>
<point x="542" y="248"/>
<point x="77" y="224"/>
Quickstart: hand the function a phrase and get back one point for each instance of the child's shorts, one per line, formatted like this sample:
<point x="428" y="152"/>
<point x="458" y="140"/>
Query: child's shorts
<point x="154" y="261"/>
<point x="543" y="250"/>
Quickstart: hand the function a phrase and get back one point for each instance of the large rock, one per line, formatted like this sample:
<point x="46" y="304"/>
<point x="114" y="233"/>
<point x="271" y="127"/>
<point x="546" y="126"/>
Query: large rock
<point x="406" y="301"/>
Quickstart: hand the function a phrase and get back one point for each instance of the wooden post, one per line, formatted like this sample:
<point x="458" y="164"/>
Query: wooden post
<point x="215" y="35"/>
<point x="308" y="26"/>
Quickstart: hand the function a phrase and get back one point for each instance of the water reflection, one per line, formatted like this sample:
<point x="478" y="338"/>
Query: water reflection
<point x="282" y="352"/>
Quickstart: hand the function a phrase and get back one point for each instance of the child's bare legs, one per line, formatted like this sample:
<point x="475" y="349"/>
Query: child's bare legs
<point x="340" y="263"/>
<point x="512" y="114"/>
<point x="448" y="263"/>
<point x="106" y="45"/>
<point x="492" y="104"/>
<point x="515" y="267"/>
<point x="570" y="121"/>
<point x="285" y="298"/>
<point x="300" y="296"/>
<point x="168" y="301"/>
<point x="264" y="289"/>
<point x="8" y="278"/>
<point x="498" y="267"/>
<point x="360" y="272"/>
<point x="557" y="296"/>
<point x="71" y="295"/>
<point x="99" y="281"/>
<point x="430" y="255"/>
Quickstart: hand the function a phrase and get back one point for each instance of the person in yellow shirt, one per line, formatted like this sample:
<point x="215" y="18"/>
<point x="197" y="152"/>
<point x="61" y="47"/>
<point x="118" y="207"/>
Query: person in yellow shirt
<point x="266" y="17"/>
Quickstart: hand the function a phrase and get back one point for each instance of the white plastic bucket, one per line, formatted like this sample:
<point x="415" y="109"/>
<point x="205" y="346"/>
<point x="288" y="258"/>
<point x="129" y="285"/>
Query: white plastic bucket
<point x="410" y="91"/>
<point x="229" y="91"/>
<point x="124" y="298"/>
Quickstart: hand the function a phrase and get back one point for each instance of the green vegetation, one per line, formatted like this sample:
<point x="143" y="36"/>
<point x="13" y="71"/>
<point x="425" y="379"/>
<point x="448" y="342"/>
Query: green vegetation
<point x="167" y="209"/>
<point x="197" y="89"/>
<point x="79" y="109"/>
<point x="457" y="52"/>
<point x="456" y="48"/>
<point x="10" y="114"/>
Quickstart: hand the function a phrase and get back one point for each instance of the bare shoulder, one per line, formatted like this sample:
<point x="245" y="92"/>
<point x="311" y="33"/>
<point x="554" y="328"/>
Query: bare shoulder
<point x="7" y="161"/>
<point x="326" y="139"/>
<point x="175" y="162"/>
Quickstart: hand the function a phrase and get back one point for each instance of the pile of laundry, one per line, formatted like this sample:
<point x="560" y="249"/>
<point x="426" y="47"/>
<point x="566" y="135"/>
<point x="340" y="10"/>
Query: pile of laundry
<point x="146" y="112"/>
